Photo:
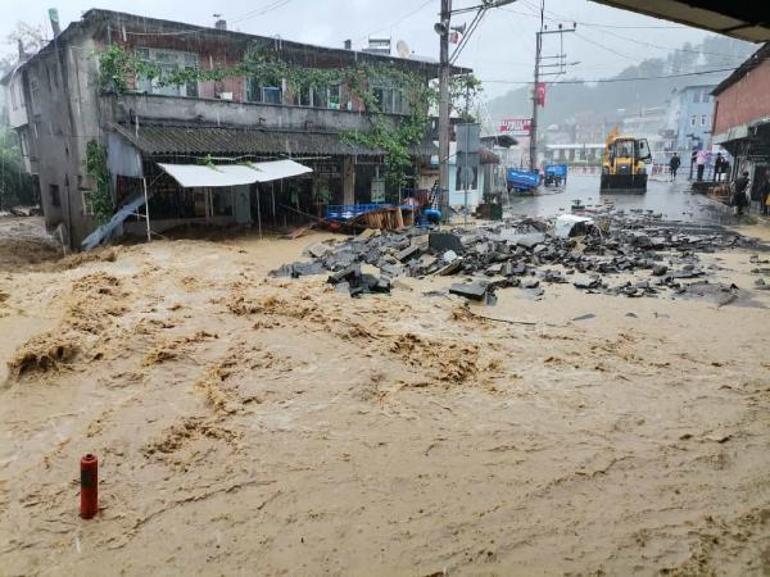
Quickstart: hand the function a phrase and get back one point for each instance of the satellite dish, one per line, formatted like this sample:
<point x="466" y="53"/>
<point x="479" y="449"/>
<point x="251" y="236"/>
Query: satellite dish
<point x="402" y="49"/>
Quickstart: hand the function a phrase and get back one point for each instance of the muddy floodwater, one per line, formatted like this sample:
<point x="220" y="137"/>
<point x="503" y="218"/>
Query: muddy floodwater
<point x="249" y="425"/>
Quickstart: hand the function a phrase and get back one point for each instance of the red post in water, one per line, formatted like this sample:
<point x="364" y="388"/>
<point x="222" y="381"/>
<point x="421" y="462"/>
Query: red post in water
<point x="89" y="486"/>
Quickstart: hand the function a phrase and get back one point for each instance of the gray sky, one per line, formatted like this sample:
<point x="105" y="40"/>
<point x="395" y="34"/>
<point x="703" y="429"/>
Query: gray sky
<point x="607" y="40"/>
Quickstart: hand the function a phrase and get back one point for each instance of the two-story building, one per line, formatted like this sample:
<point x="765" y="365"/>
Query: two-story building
<point x="742" y="115"/>
<point x="213" y="97"/>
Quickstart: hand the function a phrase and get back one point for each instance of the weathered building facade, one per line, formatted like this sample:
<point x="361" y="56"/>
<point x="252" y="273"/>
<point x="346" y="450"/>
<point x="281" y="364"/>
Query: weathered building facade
<point x="742" y="115"/>
<point x="200" y="107"/>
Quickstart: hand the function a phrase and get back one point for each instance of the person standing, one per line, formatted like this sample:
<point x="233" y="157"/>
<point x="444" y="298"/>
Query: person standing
<point x="693" y="157"/>
<point x="759" y="191"/>
<point x="739" y="199"/>
<point x="718" y="165"/>
<point x="701" y="158"/>
<point x="673" y="165"/>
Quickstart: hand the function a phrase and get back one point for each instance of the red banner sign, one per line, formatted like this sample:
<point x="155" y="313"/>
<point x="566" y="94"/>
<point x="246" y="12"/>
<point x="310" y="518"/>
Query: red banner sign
<point x="516" y="126"/>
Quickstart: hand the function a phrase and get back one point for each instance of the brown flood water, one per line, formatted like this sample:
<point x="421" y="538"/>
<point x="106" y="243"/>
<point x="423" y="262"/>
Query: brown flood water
<point x="255" y="426"/>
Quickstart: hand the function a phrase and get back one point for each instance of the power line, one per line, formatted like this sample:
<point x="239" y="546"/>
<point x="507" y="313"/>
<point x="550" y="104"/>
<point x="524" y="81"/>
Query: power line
<point x="607" y="48"/>
<point x="669" y="48"/>
<point x="558" y="17"/>
<point x="614" y="80"/>
<point x="269" y="7"/>
<point x="399" y="21"/>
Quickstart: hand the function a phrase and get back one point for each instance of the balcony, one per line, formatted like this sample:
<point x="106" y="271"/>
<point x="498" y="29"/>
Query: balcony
<point x="155" y="108"/>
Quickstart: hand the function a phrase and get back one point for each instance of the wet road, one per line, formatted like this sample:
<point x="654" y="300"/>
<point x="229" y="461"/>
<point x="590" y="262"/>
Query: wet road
<point x="673" y="200"/>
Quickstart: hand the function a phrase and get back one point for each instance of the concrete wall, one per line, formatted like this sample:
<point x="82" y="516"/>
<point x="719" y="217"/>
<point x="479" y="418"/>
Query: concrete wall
<point x="63" y="118"/>
<point x="221" y="112"/>
<point x="746" y="100"/>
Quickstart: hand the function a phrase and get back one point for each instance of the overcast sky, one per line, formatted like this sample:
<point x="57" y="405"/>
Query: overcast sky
<point x="606" y="41"/>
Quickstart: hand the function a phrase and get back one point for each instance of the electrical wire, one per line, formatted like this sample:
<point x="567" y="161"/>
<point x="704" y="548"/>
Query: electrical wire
<point x="273" y="5"/>
<point x="269" y="7"/>
<point x="397" y="22"/>
<point x="614" y="80"/>
<point x="466" y="37"/>
<point x="607" y="48"/>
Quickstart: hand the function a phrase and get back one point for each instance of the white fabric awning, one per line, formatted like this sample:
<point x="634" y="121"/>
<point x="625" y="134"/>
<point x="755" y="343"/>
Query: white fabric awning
<point x="208" y="175"/>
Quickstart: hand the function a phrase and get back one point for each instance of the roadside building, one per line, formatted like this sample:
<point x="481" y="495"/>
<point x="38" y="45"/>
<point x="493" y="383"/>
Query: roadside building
<point x="120" y="100"/>
<point x="742" y="115"/>
<point x="485" y="179"/>
<point x="689" y="119"/>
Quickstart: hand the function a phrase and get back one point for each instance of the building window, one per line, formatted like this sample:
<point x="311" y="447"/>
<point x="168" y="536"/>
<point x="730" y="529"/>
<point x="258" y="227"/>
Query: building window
<point x="23" y="144"/>
<point x="335" y="97"/>
<point x="696" y="96"/>
<point x="693" y="121"/>
<point x="389" y="100"/>
<point x="169" y="62"/>
<point x="34" y="94"/>
<point x="14" y="102"/>
<point x="459" y="179"/>
<point x="704" y="120"/>
<point x="53" y="192"/>
<point x="267" y="93"/>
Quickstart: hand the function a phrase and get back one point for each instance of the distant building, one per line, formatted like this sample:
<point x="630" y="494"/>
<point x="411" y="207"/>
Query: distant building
<point x="742" y="114"/>
<point x="585" y="154"/>
<point x="689" y="119"/>
<point x="648" y="123"/>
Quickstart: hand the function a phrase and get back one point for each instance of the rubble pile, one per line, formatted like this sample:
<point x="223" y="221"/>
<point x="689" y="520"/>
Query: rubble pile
<point x="528" y="253"/>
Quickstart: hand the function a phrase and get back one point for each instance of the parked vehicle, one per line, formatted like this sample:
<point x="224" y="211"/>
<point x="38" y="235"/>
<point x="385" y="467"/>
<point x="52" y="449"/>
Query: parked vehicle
<point x="555" y="174"/>
<point x="522" y="180"/>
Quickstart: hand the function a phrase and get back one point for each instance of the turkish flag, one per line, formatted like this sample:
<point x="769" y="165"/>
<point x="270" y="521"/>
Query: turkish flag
<point x="540" y="94"/>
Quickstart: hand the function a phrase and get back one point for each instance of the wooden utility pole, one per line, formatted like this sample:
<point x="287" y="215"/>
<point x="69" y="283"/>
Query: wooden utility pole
<point x="443" y="106"/>
<point x="535" y="103"/>
<point x="556" y="69"/>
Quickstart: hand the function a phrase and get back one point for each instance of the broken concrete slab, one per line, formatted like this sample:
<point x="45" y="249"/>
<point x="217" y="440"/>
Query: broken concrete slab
<point x="410" y="252"/>
<point x="475" y="291"/>
<point x="444" y="241"/>
<point x="450" y="269"/>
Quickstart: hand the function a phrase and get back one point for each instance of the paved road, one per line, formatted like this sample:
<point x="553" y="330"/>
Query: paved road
<point x="673" y="200"/>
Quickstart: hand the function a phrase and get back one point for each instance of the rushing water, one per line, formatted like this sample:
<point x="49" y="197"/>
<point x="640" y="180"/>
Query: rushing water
<point x="673" y="200"/>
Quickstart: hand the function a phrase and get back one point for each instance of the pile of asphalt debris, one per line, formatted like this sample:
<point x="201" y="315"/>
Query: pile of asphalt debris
<point x="528" y="253"/>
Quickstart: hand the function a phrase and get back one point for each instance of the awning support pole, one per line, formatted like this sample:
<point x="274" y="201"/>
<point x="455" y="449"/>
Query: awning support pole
<point x="259" y="212"/>
<point x="272" y="194"/>
<point x="147" y="209"/>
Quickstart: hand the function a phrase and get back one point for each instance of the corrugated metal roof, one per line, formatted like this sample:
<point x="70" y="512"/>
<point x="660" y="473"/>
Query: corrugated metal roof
<point x="159" y="140"/>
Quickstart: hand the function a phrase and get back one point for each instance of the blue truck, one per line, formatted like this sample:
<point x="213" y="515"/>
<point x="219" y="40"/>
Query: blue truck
<point x="555" y="174"/>
<point x="522" y="180"/>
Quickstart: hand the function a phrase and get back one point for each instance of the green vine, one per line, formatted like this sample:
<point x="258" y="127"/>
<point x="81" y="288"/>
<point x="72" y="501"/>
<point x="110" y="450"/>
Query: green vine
<point x="96" y="167"/>
<point x="395" y="135"/>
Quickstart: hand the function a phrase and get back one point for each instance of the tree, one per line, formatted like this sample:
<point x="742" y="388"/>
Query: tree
<point x="16" y="187"/>
<point x="32" y="39"/>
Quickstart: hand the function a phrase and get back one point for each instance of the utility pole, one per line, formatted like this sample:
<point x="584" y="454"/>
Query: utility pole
<point x="443" y="106"/>
<point x="560" y="66"/>
<point x="535" y="103"/>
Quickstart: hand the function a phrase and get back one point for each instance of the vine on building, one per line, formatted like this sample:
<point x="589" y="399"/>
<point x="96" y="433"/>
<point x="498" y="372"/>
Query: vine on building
<point x="99" y="200"/>
<point x="394" y="135"/>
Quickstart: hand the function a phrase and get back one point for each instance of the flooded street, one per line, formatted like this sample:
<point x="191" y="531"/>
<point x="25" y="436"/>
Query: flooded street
<point x="673" y="200"/>
<point x="248" y="421"/>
